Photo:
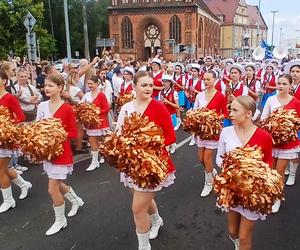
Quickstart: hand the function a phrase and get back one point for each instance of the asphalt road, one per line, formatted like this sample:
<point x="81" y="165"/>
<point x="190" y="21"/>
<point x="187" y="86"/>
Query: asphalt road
<point x="105" y="221"/>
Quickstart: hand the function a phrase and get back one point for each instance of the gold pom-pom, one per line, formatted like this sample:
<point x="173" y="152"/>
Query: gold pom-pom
<point x="123" y="99"/>
<point x="204" y="122"/>
<point x="88" y="115"/>
<point x="9" y="133"/>
<point x="43" y="140"/>
<point x="138" y="151"/>
<point x="283" y="125"/>
<point x="247" y="181"/>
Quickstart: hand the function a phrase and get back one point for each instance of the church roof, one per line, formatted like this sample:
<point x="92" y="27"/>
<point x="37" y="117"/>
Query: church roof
<point x="255" y="15"/>
<point x="225" y="8"/>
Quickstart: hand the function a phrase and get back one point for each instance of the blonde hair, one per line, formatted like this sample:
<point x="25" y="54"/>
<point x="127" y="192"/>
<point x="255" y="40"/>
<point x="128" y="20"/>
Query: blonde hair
<point x="71" y="80"/>
<point x="247" y="102"/>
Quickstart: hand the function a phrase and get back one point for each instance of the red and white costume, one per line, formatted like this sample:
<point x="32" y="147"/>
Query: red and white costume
<point x="180" y="81"/>
<point x="171" y="95"/>
<point x="271" y="79"/>
<point x="253" y="85"/>
<point x="238" y="89"/>
<point x="296" y="91"/>
<point x="220" y="86"/>
<point x="227" y="74"/>
<point x="157" y="113"/>
<point x="126" y="88"/>
<point x="229" y="140"/>
<point x="12" y="104"/>
<point x="101" y="102"/>
<point x="291" y="149"/>
<point x="62" y="165"/>
<point x="157" y="82"/>
<point x="217" y="103"/>
<point x="196" y="84"/>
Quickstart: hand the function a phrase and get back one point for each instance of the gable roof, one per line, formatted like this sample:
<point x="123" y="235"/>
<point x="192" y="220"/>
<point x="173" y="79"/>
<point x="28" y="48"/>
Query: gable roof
<point x="225" y="8"/>
<point x="254" y="16"/>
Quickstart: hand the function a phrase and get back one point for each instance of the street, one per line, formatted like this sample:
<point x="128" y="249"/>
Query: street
<point x="105" y="221"/>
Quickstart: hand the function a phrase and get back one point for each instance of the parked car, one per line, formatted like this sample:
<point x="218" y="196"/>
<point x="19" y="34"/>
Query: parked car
<point x="59" y="64"/>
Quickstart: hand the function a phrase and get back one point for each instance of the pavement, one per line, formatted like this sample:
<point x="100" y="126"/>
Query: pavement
<point x="105" y="221"/>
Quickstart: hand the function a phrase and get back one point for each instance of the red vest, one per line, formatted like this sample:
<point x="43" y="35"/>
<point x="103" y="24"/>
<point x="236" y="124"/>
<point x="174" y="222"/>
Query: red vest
<point x="179" y="81"/>
<point x="170" y="97"/>
<point x="158" y="83"/>
<point x="227" y="75"/>
<point x="296" y="92"/>
<point x="126" y="91"/>
<point x="192" y="93"/>
<point x="271" y="80"/>
<point x="218" y="85"/>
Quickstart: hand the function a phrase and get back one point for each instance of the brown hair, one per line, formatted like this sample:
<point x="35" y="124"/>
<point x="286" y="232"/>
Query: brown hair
<point x="288" y="77"/>
<point x="139" y="75"/>
<point x="94" y="78"/>
<point x="247" y="102"/>
<point x="57" y="79"/>
<point x="3" y="75"/>
<point x="212" y="72"/>
<point x="6" y="65"/>
<point x="298" y="65"/>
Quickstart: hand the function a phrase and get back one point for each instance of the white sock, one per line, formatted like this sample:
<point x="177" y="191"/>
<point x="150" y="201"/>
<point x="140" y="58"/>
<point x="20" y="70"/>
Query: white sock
<point x="154" y="217"/>
<point x="209" y="177"/>
<point x="293" y="167"/>
<point x="94" y="156"/>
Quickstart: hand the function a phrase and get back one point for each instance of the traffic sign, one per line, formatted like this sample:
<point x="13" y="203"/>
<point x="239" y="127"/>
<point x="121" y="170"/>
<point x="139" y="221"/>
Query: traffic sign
<point x="29" y="21"/>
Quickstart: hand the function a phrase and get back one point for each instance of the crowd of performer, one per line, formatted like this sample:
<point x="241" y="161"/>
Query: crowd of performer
<point x="241" y="92"/>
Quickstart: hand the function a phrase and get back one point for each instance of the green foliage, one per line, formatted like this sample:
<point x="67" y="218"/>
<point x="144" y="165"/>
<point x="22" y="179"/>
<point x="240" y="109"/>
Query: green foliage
<point x="13" y="31"/>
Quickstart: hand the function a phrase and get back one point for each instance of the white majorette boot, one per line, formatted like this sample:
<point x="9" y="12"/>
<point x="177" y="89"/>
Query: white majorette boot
<point x="60" y="220"/>
<point x="95" y="164"/>
<point x="208" y="186"/>
<point x="143" y="240"/>
<point x="101" y="160"/>
<point x="24" y="185"/>
<point x="276" y="206"/>
<point x="156" y="224"/>
<point x="8" y="200"/>
<point x="75" y="201"/>
<point x="236" y="243"/>
<point x="193" y="141"/>
<point x="292" y="174"/>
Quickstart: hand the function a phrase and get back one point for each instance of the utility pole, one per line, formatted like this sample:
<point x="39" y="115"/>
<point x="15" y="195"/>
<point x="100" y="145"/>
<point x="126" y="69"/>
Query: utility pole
<point x="281" y="36"/>
<point x="257" y="34"/>
<point x="85" y="32"/>
<point x="50" y="14"/>
<point x="274" y="12"/>
<point x="67" y="30"/>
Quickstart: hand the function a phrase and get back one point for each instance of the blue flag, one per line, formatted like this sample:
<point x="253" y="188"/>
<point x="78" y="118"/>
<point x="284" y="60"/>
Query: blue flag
<point x="268" y="52"/>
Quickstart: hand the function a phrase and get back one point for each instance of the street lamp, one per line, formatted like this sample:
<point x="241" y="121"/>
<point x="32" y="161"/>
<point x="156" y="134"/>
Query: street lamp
<point x="274" y="12"/>
<point x="67" y="30"/>
<point x="281" y="36"/>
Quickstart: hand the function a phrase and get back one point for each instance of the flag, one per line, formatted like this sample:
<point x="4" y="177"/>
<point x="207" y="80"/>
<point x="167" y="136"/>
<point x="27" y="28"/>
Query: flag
<point x="268" y="52"/>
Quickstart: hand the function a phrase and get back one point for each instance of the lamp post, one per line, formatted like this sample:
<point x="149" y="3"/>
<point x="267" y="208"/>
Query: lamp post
<point x="281" y="36"/>
<point x="67" y="30"/>
<point x="273" y="22"/>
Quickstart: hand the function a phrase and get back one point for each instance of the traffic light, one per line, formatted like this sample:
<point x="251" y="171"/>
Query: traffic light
<point x="182" y="48"/>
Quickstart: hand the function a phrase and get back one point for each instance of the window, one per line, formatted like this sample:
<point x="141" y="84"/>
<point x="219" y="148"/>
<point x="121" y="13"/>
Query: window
<point x="175" y="29"/>
<point x="127" y="36"/>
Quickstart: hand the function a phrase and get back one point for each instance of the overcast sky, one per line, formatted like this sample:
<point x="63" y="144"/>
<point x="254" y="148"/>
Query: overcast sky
<point x="288" y="17"/>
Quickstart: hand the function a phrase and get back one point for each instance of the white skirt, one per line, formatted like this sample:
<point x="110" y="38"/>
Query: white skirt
<point x="287" y="154"/>
<point x="97" y="132"/>
<point x="57" y="172"/>
<point x="249" y="215"/>
<point x="127" y="181"/>
<point x="206" y="143"/>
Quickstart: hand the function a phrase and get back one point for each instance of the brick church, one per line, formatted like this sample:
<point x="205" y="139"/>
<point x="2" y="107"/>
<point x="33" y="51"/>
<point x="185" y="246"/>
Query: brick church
<point x="140" y="27"/>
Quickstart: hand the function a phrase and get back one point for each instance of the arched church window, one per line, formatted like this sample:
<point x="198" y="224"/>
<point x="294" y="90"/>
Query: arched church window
<point x="127" y="36"/>
<point x="175" y="29"/>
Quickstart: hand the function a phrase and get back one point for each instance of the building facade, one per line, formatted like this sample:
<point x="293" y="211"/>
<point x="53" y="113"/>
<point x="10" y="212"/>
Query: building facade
<point x="181" y="28"/>
<point x="242" y="29"/>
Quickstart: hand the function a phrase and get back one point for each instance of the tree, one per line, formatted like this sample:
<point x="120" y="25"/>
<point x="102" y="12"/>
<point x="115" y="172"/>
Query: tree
<point x="97" y="20"/>
<point x="13" y="32"/>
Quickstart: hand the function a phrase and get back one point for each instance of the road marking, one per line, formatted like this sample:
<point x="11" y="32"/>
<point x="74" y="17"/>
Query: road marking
<point x="182" y="143"/>
<point x="179" y="145"/>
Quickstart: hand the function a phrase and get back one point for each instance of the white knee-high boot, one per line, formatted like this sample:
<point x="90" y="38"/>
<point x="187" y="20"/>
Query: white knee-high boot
<point x="23" y="185"/>
<point x="156" y="224"/>
<point x="143" y="240"/>
<point x="208" y="186"/>
<point x="236" y="243"/>
<point x="292" y="174"/>
<point x="60" y="220"/>
<point x="8" y="200"/>
<point x="75" y="201"/>
<point x="95" y="164"/>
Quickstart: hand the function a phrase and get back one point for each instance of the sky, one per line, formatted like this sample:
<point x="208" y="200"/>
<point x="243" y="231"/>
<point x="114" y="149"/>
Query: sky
<point x="287" y="18"/>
